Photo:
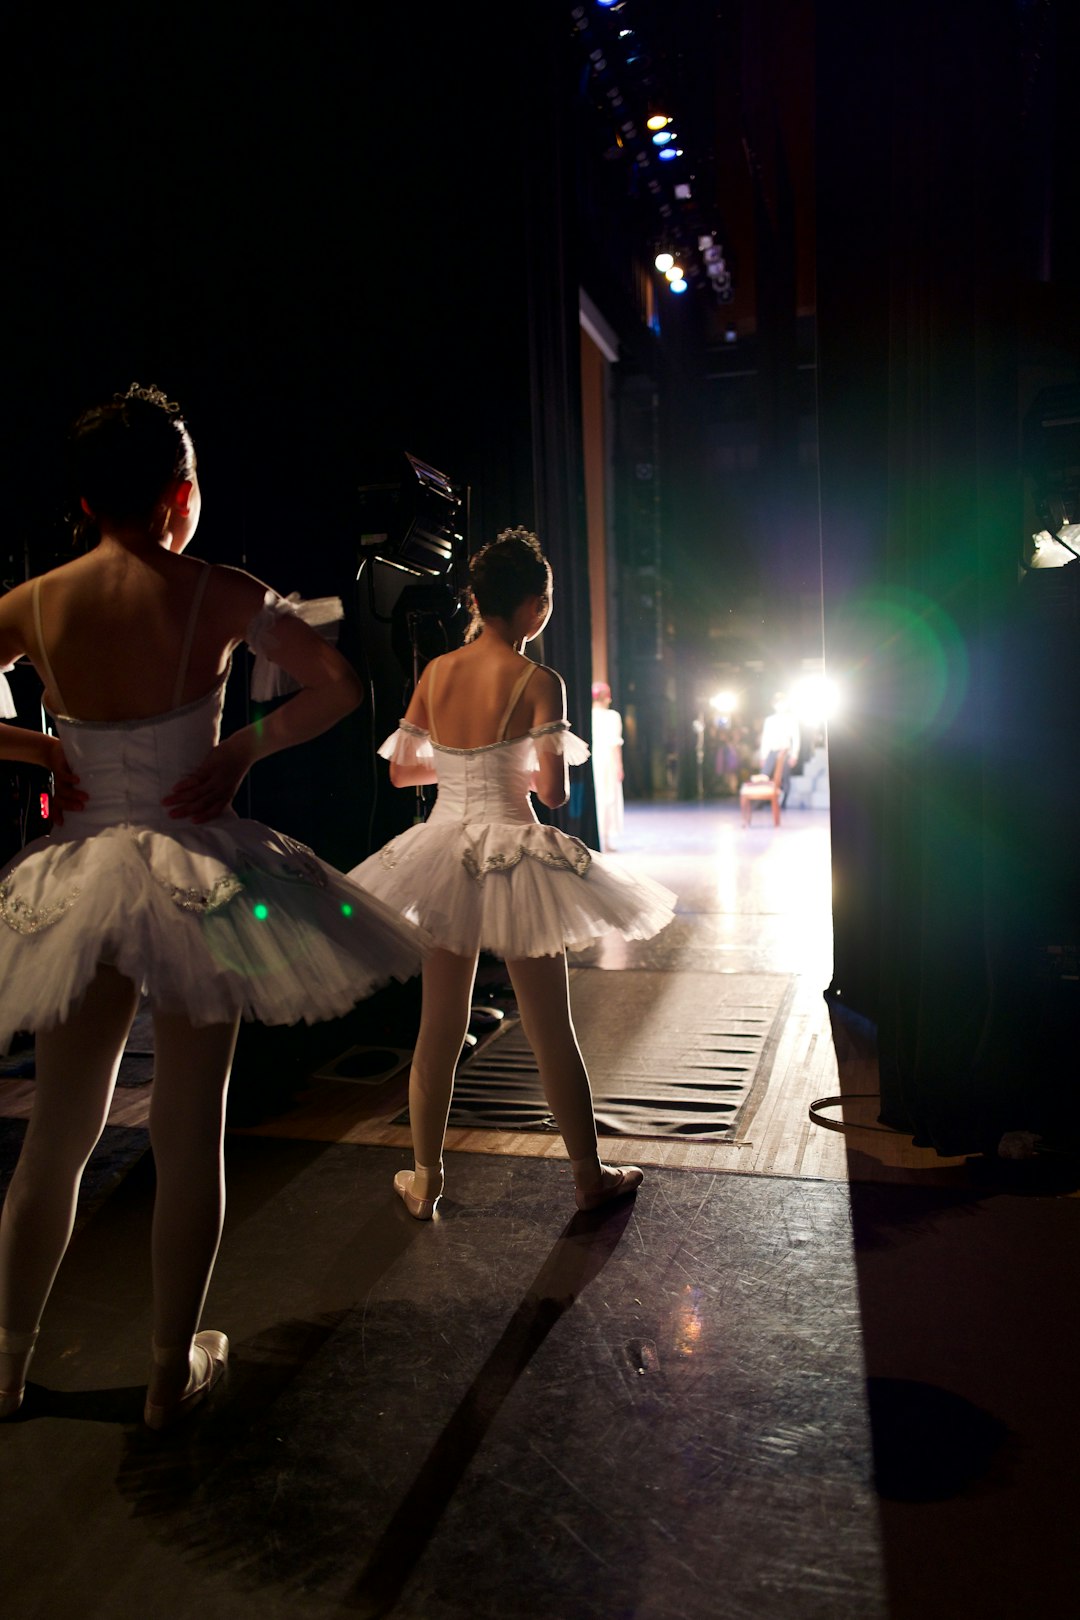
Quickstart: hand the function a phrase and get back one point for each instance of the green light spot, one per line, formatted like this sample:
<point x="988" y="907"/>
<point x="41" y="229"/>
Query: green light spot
<point x="262" y="912"/>
<point x="346" y="909"/>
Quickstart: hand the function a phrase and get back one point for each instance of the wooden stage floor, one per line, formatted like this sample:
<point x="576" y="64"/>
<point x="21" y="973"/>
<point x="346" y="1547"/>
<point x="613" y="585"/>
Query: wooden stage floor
<point x="751" y="900"/>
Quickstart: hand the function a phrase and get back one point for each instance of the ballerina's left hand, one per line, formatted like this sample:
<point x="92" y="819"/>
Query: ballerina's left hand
<point x="208" y="791"/>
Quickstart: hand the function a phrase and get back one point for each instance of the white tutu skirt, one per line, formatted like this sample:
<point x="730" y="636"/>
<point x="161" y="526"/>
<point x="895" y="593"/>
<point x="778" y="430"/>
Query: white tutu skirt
<point x="214" y="920"/>
<point x="513" y="889"/>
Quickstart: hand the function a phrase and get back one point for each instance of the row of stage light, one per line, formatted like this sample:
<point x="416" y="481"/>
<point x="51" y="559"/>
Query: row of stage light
<point x="665" y="139"/>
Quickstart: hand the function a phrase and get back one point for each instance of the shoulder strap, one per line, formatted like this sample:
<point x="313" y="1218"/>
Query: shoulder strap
<point x="518" y="688"/>
<point x="189" y="636"/>
<point x="431" y="699"/>
<point x="50" y="678"/>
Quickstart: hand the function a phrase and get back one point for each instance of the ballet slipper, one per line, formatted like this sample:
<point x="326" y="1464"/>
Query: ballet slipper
<point x="615" y="1182"/>
<point x="421" y="1209"/>
<point x="16" y="1344"/>
<point x="207" y="1360"/>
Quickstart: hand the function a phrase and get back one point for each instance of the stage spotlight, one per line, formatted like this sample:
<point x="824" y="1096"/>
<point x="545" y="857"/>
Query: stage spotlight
<point x="664" y="261"/>
<point x="675" y="272"/>
<point x="678" y="286"/>
<point x="667" y="153"/>
<point x="816" y="699"/>
<point x="657" y="120"/>
<point x="662" y="137"/>
<point x="724" y="702"/>
<point x="412" y="517"/>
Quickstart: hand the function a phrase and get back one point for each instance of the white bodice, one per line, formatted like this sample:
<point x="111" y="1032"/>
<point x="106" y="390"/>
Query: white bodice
<point x="485" y="784"/>
<point x="126" y="767"/>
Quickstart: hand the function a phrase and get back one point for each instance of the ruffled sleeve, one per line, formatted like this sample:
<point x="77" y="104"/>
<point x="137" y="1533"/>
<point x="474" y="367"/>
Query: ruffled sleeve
<point x="322" y="613"/>
<point x="408" y="745"/>
<point x="556" y="738"/>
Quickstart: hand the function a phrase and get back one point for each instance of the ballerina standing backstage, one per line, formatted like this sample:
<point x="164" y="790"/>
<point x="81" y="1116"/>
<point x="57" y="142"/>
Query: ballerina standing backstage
<point x="489" y="726"/>
<point x="152" y="882"/>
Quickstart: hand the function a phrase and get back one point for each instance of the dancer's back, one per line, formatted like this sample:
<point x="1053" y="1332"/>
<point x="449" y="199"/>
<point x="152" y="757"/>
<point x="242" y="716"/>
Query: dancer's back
<point x="468" y="696"/>
<point x="108" y="632"/>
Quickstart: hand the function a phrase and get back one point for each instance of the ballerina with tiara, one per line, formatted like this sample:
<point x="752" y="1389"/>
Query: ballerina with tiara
<point x="489" y="726"/>
<point x="152" y="883"/>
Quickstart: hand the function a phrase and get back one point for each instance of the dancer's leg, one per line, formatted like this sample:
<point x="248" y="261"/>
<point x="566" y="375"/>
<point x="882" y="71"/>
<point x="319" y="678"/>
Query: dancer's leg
<point x="187" y="1129"/>
<point x="444" y="1021"/>
<point x="541" y="986"/>
<point x="76" y="1066"/>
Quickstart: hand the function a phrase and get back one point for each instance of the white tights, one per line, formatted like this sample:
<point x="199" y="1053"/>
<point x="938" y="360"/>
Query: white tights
<point x="542" y="989"/>
<point x="76" y="1066"/>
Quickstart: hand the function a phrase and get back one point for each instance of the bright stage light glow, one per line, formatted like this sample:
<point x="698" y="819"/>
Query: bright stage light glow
<point x="662" y="137"/>
<point x="664" y="261"/>
<point x="816" y="699"/>
<point x="667" y="153"/>
<point x="657" y="121"/>
<point x="678" y="286"/>
<point x="675" y="272"/>
<point x="724" y="702"/>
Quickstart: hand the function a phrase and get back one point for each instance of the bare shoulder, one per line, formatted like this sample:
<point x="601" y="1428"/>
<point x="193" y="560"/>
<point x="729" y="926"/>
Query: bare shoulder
<point x="548" y="692"/>
<point x="236" y="586"/>
<point x="14" y="622"/>
<point x="16" y="605"/>
<point x="549" y="680"/>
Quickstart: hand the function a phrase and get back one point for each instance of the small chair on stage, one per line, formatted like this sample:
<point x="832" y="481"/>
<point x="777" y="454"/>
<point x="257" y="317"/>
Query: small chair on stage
<point x="761" y="789"/>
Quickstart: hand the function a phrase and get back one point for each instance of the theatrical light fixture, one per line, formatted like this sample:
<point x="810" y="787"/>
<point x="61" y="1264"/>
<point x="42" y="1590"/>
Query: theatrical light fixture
<point x="675" y="272"/>
<point x="664" y="261"/>
<point x="724" y="702"/>
<point x="678" y="286"/>
<point x="411" y="517"/>
<point x="666" y="154"/>
<point x="662" y="137"/>
<point x="657" y="120"/>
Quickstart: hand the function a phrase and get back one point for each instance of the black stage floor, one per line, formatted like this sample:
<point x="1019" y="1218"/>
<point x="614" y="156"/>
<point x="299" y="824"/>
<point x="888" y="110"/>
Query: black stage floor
<point x="512" y="1412"/>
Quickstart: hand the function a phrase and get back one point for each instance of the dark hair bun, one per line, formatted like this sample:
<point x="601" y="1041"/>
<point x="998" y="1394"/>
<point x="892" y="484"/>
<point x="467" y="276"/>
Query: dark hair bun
<point x="506" y="571"/>
<point x="124" y="455"/>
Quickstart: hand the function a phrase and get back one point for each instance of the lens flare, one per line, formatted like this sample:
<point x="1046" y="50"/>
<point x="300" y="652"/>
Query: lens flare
<point x="905" y="662"/>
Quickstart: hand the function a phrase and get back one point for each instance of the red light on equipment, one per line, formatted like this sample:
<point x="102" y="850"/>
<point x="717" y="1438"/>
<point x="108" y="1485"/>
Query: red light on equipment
<point x="43" y="803"/>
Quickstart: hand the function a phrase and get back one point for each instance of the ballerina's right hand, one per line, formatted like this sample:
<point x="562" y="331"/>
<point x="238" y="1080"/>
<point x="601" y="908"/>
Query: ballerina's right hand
<point x="66" y="792"/>
<point x="208" y="791"/>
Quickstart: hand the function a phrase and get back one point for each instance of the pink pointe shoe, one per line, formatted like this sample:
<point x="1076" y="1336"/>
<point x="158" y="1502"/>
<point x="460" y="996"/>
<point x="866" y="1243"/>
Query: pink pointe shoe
<point x="421" y="1209"/>
<point x="20" y="1346"/>
<point x="207" y="1361"/>
<point x="615" y="1182"/>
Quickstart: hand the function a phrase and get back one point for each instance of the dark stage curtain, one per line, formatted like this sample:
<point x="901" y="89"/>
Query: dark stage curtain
<point x="552" y="257"/>
<point x="920" y="283"/>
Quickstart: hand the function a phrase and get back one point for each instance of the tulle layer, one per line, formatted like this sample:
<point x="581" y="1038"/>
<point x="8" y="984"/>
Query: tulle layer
<point x="511" y="888"/>
<point x="215" y="920"/>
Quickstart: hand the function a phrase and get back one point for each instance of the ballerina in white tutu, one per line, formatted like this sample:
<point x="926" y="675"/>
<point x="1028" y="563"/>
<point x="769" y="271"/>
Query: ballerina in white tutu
<point x="152" y="882"/>
<point x="489" y="726"/>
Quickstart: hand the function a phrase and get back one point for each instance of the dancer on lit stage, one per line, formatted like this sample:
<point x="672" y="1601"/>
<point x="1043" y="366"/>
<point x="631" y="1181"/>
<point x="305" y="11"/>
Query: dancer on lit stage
<point x="152" y="882"/>
<point x="489" y="726"/>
